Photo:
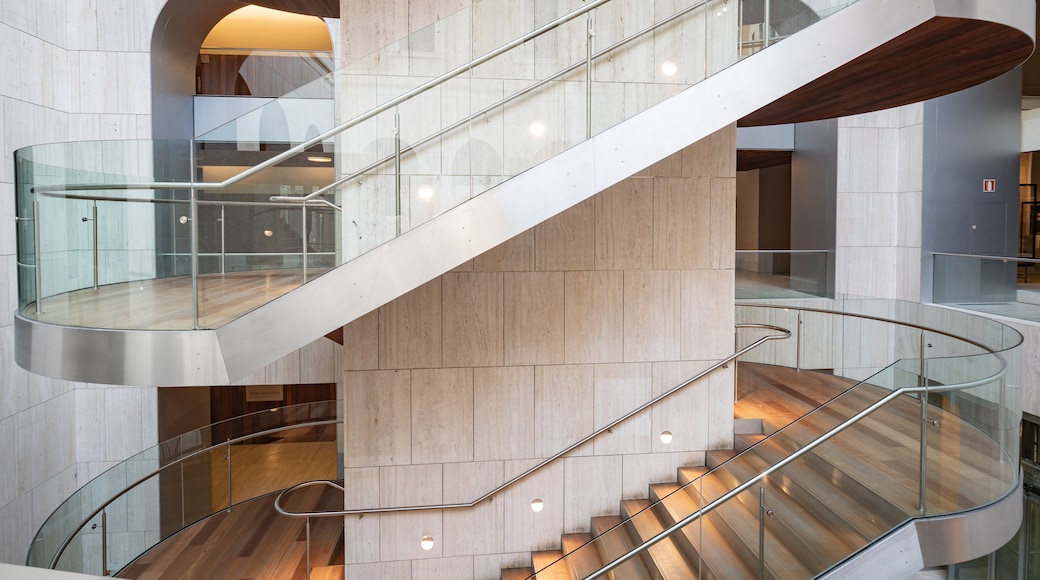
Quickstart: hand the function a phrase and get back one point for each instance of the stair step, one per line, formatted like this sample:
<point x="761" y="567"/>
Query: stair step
<point x="745" y="441"/>
<point x="665" y="558"/>
<point x="517" y="573"/>
<point x="738" y="523"/>
<point x="720" y="560"/>
<point x="717" y="457"/>
<point x="543" y="564"/>
<point x="328" y="573"/>
<point x="688" y="474"/>
<point x="806" y="534"/>
<point x="613" y="541"/>
<point x="582" y="559"/>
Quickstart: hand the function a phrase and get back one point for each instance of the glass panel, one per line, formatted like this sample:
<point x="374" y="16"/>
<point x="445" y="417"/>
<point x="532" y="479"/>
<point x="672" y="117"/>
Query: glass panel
<point x="781" y="274"/>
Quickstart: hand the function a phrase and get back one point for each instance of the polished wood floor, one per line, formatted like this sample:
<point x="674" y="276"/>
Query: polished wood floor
<point x="166" y="304"/>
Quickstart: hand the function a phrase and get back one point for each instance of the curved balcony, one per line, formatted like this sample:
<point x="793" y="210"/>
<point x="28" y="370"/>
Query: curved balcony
<point x="120" y="240"/>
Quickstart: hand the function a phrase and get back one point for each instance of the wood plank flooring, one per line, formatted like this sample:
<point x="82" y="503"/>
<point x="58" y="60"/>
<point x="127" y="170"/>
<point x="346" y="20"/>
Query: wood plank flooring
<point x="165" y="303"/>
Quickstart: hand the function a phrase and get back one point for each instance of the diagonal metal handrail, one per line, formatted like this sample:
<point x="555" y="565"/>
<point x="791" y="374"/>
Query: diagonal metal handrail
<point x="783" y="333"/>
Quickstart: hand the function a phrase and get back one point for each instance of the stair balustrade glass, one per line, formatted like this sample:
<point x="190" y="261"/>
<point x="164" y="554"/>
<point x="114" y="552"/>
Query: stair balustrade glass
<point x="133" y="506"/>
<point x="783" y="274"/>
<point x="934" y="433"/>
<point x="426" y="123"/>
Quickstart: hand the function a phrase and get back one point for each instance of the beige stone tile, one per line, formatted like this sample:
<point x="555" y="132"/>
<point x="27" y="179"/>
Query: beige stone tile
<point x="361" y="343"/>
<point x="686" y="414"/>
<point x="682" y="226"/>
<point x="713" y="156"/>
<point x="707" y="311"/>
<point x="523" y="529"/>
<point x="534" y="318"/>
<point x="410" y="329"/>
<point x="442" y="415"/>
<point x="593" y="316"/>
<point x="515" y="255"/>
<point x="377" y="418"/>
<point x="562" y="414"/>
<point x="624" y="225"/>
<point x="567" y="241"/>
<point x="619" y="388"/>
<point x="476" y="530"/>
<point x="723" y="221"/>
<point x="473" y="319"/>
<point x="459" y="568"/>
<point x="592" y="488"/>
<point x="503" y="413"/>
<point x="652" y="315"/>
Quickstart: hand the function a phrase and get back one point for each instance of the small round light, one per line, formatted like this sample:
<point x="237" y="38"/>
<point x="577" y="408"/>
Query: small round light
<point x="268" y="233"/>
<point x="319" y="159"/>
<point x="426" y="543"/>
<point x="183" y="219"/>
<point x="666" y="437"/>
<point x="669" y="68"/>
<point x="537" y="128"/>
<point x="425" y="192"/>
<point x="537" y="505"/>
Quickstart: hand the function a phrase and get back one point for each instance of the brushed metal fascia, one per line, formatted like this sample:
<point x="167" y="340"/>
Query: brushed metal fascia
<point x="962" y="537"/>
<point x="119" y="357"/>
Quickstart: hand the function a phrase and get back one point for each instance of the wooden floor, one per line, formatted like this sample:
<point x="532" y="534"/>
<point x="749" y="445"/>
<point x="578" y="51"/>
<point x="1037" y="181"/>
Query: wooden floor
<point x="251" y="541"/>
<point x="165" y="303"/>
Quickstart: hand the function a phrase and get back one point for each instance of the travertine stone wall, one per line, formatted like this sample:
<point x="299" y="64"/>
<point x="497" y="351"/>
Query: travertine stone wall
<point x="70" y="71"/>
<point x="878" y="246"/>
<point x="476" y="376"/>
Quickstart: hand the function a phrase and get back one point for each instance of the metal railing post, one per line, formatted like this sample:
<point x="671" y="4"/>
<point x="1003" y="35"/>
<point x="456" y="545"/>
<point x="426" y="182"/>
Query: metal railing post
<point x="765" y="25"/>
<point x="104" y="543"/>
<point x="194" y="243"/>
<point x="308" y="542"/>
<point x="94" y="218"/>
<point x="589" y="35"/>
<point x="227" y="458"/>
<point x="39" y="264"/>
<point x="304" y="228"/>
<point x="761" y="532"/>
<point x="223" y="246"/>
<point x="923" y="499"/>
<point x="798" y="344"/>
<point x="397" y="166"/>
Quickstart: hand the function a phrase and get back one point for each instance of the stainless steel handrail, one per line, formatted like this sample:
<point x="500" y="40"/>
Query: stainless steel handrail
<point x="529" y="88"/>
<point x="784" y="334"/>
<point x="991" y="258"/>
<point x="818" y="441"/>
<point x="300" y="148"/>
<point x="181" y="459"/>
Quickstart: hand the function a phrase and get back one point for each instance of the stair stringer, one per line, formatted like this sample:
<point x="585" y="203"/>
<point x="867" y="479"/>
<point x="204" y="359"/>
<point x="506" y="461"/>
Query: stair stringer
<point x="224" y="355"/>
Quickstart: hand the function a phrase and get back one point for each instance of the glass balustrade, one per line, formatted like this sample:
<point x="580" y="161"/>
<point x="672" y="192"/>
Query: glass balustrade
<point x="131" y="507"/>
<point x="783" y="274"/>
<point x="942" y="430"/>
<point x="187" y="235"/>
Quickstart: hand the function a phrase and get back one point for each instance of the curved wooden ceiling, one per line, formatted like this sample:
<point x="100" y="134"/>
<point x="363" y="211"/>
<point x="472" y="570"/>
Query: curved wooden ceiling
<point x="941" y="56"/>
<point x="322" y="8"/>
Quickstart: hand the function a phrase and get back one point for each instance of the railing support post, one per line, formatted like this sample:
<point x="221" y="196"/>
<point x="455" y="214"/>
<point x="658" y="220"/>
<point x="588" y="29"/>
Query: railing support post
<point x="227" y="458"/>
<point x="223" y="245"/>
<point x="798" y="344"/>
<point x="765" y="25"/>
<point x="397" y="167"/>
<point x="304" y="229"/>
<point x="762" y="532"/>
<point x="589" y="35"/>
<point x="96" y="253"/>
<point x="923" y="499"/>
<point x="308" y="540"/>
<point x="37" y="252"/>
<point x="194" y="243"/>
<point x="104" y="544"/>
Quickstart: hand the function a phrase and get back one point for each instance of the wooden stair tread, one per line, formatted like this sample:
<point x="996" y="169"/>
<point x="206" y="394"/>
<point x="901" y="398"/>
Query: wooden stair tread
<point x="328" y="573"/>
<point x="665" y="557"/>
<point x="719" y="561"/>
<point x="548" y="566"/>
<point x="613" y="542"/>
<point x="582" y="558"/>
<point x="517" y="573"/>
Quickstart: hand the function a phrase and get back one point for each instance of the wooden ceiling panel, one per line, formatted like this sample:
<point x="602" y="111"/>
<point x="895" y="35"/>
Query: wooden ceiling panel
<point x="941" y="56"/>
<point x="322" y="8"/>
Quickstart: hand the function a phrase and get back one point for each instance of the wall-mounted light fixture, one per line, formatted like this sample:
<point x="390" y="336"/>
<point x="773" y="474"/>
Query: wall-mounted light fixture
<point x="537" y="128"/>
<point x="268" y="233"/>
<point x="426" y="543"/>
<point x="319" y="159"/>
<point x="666" y="437"/>
<point x="537" y="505"/>
<point x="425" y="192"/>
<point x="669" y="68"/>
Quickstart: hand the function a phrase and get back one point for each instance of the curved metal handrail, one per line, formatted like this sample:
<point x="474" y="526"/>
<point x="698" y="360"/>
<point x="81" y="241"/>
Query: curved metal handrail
<point x="227" y="443"/>
<point x="783" y="334"/>
<point x="822" y="438"/>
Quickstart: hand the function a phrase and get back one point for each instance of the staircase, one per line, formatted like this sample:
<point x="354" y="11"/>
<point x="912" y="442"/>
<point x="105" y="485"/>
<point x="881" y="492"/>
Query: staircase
<point x="810" y="515"/>
<point x="834" y="67"/>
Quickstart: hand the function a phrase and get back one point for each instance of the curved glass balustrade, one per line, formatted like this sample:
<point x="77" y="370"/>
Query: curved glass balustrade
<point x="131" y="507"/>
<point x="187" y="235"/>
<point x="940" y="426"/>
